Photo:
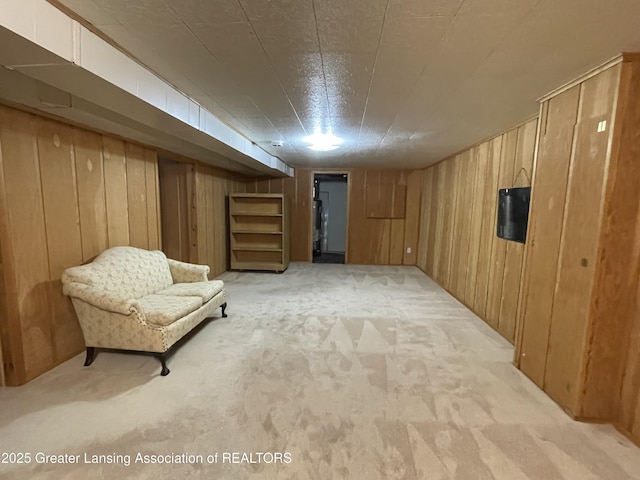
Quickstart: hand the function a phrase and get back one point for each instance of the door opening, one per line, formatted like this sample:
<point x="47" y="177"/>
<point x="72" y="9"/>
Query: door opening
<point x="329" y="217"/>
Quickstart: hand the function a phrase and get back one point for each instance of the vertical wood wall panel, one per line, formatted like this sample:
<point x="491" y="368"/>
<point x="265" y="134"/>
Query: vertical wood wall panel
<point x="438" y="214"/>
<point x="412" y="217"/>
<point x="200" y="199"/>
<point x="210" y="224"/>
<point x="176" y="204"/>
<point x="194" y="212"/>
<point x="434" y="239"/>
<point x="18" y="136"/>
<point x="300" y="239"/>
<point x="488" y="228"/>
<point x="448" y="173"/>
<point x="619" y="295"/>
<point x="115" y="181"/>
<point x="514" y="254"/>
<point x="91" y="192"/>
<point x="499" y="246"/>
<point x="461" y="225"/>
<point x="62" y="227"/>
<point x="425" y="220"/>
<point x="580" y="303"/>
<point x="152" y="198"/>
<point x="477" y="206"/>
<point x="396" y="245"/>
<point x="458" y="225"/>
<point x="11" y="333"/>
<point x="547" y="201"/>
<point x="585" y="191"/>
<point x="137" y="196"/>
<point x="58" y="198"/>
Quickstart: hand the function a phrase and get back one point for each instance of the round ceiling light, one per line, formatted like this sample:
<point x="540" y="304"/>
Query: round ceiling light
<point x="322" y="142"/>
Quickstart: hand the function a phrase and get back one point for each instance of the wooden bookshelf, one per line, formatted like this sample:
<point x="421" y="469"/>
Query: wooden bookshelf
<point x="259" y="231"/>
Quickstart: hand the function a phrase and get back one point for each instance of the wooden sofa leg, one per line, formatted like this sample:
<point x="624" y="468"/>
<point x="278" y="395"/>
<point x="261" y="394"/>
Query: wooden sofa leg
<point x="224" y="307"/>
<point x="91" y="351"/>
<point x="163" y="360"/>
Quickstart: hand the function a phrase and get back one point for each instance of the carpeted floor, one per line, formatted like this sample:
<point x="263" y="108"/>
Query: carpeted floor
<point x="324" y="371"/>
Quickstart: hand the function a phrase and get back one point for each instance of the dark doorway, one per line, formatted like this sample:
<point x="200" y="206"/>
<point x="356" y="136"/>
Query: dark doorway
<point x="329" y="217"/>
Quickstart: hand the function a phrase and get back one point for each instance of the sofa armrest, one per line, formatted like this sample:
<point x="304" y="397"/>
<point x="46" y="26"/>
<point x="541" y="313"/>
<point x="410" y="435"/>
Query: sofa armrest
<point x="183" y="272"/>
<point x="99" y="299"/>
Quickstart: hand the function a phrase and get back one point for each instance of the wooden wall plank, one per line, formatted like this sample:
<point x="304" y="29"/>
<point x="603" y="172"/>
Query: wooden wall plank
<point x="461" y="165"/>
<point x="437" y="213"/>
<point x="545" y="227"/>
<point x="477" y="206"/>
<point x="382" y="242"/>
<point x="301" y="217"/>
<point x="443" y="256"/>
<point x="11" y="331"/>
<point x="62" y="227"/>
<point x="263" y="185"/>
<point x="514" y="255"/>
<point x="115" y="181"/>
<point x="200" y="201"/>
<point x="615" y="310"/>
<point x="579" y="245"/>
<point x="152" y="200"/>
<point x="357" y="237"/>
<point x="220" y="234"/>
<point x="412" y="216"/>
<point x="91" y="192"/>
<point x="499" y="246"/>
<point x="488" y="227"/>
<point x="434" y="241"/>
<point x="425" y="220"/>
<point x="175" y="210"/>
<point x="137" y="196"/>
<point x="396" y="245"/>
<point x="210" y="220"/>
<point x="26" y="221"/>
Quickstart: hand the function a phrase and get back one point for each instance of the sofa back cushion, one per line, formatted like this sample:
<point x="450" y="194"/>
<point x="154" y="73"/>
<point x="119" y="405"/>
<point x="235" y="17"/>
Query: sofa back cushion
<point x="124" y="273"/>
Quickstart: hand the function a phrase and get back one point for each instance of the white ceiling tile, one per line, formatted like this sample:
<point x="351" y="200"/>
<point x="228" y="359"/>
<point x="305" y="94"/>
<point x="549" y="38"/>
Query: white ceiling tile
<point x="418" y="35"/>
<point x="433" y="78"/>
<point x="297" y="65"/>
<point x="350" y="10"/>
<point x="491" y="7"/>
<point x="340" y="36"/>
<point x="290" y="10"/>
<point x="140" y="12"/>
<point x="203" y="11"/>
<point x="278" y="36"/>
<point x="422" y="8"/>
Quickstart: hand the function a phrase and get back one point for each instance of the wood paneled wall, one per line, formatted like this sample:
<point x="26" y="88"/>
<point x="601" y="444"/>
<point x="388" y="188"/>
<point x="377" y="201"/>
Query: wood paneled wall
<point x="66" y="194"/>
<point x="371" y="241"/>
<point x="458" y="246"/>
<point x="580" y="286"/>
<point x="629" y="406"/>
<point x="195" y="223"/>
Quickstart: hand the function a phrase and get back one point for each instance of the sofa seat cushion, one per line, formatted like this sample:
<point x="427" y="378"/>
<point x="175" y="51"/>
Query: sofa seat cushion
<point x="205" y="290"/>
<point x="165" y="309"/>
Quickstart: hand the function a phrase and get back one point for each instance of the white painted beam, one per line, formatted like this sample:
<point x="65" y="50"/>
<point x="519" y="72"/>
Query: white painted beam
<point x="45" y="44"/>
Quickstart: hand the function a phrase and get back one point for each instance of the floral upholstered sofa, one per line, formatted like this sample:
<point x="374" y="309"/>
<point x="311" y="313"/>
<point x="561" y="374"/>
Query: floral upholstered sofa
<point x="134" y="299"/>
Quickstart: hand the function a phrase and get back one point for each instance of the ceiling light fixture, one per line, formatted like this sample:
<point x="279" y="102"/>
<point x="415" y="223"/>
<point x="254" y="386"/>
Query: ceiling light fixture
<point x="323" y="142"/>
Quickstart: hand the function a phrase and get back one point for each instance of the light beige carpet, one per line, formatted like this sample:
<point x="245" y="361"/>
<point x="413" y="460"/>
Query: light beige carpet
<point x="349" y="372"/>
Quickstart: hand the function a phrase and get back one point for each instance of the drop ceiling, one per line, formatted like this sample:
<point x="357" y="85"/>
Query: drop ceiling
<point x="404" y="83"/>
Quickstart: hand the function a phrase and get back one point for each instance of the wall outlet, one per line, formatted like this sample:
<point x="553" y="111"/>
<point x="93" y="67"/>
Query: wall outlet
<point x="408" y="249"/>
